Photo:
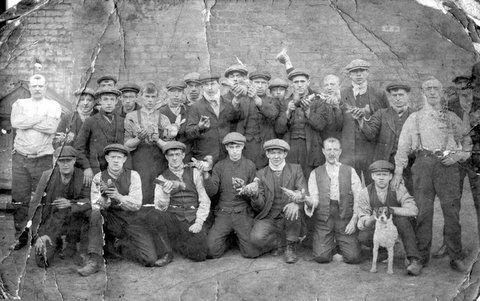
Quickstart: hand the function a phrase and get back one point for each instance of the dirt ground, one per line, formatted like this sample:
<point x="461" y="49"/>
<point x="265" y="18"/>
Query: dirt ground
<point x="235" y="278"/>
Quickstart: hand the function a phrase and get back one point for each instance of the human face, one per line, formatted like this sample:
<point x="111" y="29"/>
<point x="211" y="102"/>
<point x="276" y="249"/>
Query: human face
<point x="108" y="102"/>
<point x="128" y="101"/>
<point x="234" y="151"/>
<point x="193" y="90"/>
<point x="211" y="87"/>
<point x="236" y="77"/>
<point x="86" y="103"/>
<point x="37" y="88"/>
<point x="358" y="76"/>
<point x="332" y="151"/>
<point x="276" y="157"/>
<point x="66" y="165"/>
<point x="149" y="100"/>
<point x="175" y="157"/>
<point x="300" y="84"/>
<point x="432" y="90"/>
<point x="278" y="92"/>
<point x="175" y="97"/>
<point x="106" y="83"/>
<point x="115" y="160"/>
<point x="461" y="83"/>
<point x="261" y="85"/>
<point x="381" y="178"/>
<point x="331" y="84"/>
<point x="398" y="100"/>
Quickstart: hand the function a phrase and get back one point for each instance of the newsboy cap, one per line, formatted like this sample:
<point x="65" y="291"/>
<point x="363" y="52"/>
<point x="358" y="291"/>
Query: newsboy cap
<point x="397" y="86"/>
<point x="461" y="77"/>
<point x="66" y="152"/>
<point x="130" y="87"/>
<point x="357" y="64"/>
<point x="207" y="77"/>
<point x="236" y="68"/>
<point x="107" y="90"/>
<point x="173" y="145"/>
<point x="107" y="77"/>
<point x="116" y="147"/>
<point x="234" y="137"/>
<point x="192" y="77"/>
<point x="176" y="84"/>
<point x="296" y="72"/>
<point x="276" y="144"/>
<point x="278" y="82"/>
<point x="260" y="74"/>
<point x="381" y="165"/>
<point x="87" y="91"/>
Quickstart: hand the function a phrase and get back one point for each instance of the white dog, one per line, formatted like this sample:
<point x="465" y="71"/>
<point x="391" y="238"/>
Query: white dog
<point x="385" y="235"/>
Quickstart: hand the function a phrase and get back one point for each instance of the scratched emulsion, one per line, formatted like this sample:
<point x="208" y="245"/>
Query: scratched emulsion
<point x="142" y="41"/>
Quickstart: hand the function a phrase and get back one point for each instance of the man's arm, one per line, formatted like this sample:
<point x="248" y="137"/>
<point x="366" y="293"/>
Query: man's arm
<point x="19" y="119"/>
<point x="82" y="203"/>
<point x="133" y="200"/>
<point x="193" y="130"/>
<point x="161" y="199"/>
<point x="131" y="140"/>
<point x="82" y="142"/>
<point x="407" y="203"/>
<point x="268" y="110"/>
<point x="356" y="190"/>
<point x="363" y="210"/>
<point x="371" y="127"/>
<point x="48" y="124"/>
<point x="259" y="202"/>
<point x="97" y="200"/>
<point x="320" y="116"/>
<point x="212" y="182"/>
<point x="203" y="199"/>
<point x="405" y="143"/>
<point x="313" y="193"/>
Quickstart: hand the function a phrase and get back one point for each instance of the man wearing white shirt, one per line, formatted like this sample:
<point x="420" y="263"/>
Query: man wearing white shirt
<point x="334" y="188"/>
<point x="35" y="120"/>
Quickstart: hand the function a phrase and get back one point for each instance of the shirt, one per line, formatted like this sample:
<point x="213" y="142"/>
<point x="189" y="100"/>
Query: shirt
<point x="150" y="120"/>
<point x="214" y="102"/>
<point x="130" y="202"/>
<point x="359" y="89"/>
<point x="36" y="122"/>
<point x="162" y="199"/>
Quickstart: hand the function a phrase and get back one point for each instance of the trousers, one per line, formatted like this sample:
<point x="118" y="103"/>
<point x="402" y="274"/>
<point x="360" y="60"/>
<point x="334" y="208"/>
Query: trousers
<point x="270" y="233"/>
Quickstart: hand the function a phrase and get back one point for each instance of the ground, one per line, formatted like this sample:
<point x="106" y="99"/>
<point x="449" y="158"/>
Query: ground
<point x="235" y="278"/>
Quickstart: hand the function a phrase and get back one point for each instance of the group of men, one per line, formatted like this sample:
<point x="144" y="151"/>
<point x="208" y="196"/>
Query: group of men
<point x="244" y="156"/>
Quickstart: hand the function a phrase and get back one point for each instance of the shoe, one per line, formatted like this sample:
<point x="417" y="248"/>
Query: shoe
<point x="290" y="253"/>
<point x="277" y="251"/>
<point x="441" y="252"/>
<point x="414" y="268"/>
<point x="166" y="259"/>
<point x="91" y="267"/>
<point x="459" y="265"/>
<point x="22" y="240"/>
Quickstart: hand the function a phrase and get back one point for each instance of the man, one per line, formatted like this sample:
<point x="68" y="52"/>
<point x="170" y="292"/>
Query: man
<point x="301" y="123"/>
<point x="278" y="88"/>
<point x="360" y="99"/>
<point x="98" y="131"/>
<point x="461" y="81"/>
<point x="279" y="217"/>
<point x="233" y="212"/>
<point x="193" y="90"/>
<point x="384" y="126"/>
<point x="142" y="128"/>
<point x="129" y="95"/>
<point x="331" y="89"/>
<point x="439" y="141"/>
<point x="107" y="81"/>
<point x="379" y="194"/>
<point x="183" y="206"/>
<point x="334" y="188"/>
<point x="116" y="195"/>
<point x="237" y="79"/>
<point x="260" y="114"/>
<point x="35" y="120"/>
<point x="64" y="203"/>
<point x="210" y="119"/>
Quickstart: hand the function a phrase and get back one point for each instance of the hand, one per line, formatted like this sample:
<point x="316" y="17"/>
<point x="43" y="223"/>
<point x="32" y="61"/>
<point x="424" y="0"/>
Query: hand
<point x="240" y="89"/>
<point x="60" y="136"/>
<point x="309" y="201"/>
<point x="291" y="107"/>
<point x="103" y="202"/>
<point x="291" y="211"/>
<point x="238" y="184"/>
<point x="195" y="228"/>
<point x="249" y="190"/>
<point x="258" y="101"/>
<point x="294" y="196"/>
<point x="357" y="113"/>
<point x="167" y="187"/>
<point x="307" y="101"/>
<point x="87" y="177"/>
<point x="171" y="131"/>
<point x="62" y="203"/>
<point x="396" y="181"/>
<point x="70" y="137"/>
<point x="179" y="121"/>
<point x="235" y="102"/>
<point x="41" y="245"/>
<point x="350" y="228"/>
<point x="204" y="123"/>
<point x="366" y="111"/>
<point x="450" y="159"/>
<point x="142" y="133"/>
<point x="112" y="192"/>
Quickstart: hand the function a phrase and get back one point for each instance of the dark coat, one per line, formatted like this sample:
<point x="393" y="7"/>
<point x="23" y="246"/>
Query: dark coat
<point x="209" y="141"/>
<point x="292" y="179"/>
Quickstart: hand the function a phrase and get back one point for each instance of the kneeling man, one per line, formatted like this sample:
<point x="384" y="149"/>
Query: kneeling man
<point x="380" y="194"/>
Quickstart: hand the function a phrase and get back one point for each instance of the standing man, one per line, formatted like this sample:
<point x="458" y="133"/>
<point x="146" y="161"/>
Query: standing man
<point x="279" y="217"/>
<point x="334" y="188"/>
<point x="439" y="141"/>
<point x="359" y="100"/>
<point x="237" y="77"/>
<point x="233" y="212"/>
<point x="260" y="114"/>
<point x="210" y="119"/>
<point x="129" y="99"/>
<point x="35" y="121"/>
<point x="331" y="89"/>
<point x="302" y="122"/>
<point x="278" y="88"/>
<point x="193" y="90"/>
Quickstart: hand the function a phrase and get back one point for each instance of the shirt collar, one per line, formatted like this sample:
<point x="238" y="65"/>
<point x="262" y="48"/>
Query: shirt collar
<point x="215" y="98"/>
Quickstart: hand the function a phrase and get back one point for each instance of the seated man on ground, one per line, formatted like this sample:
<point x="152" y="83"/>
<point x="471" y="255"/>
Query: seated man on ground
<point x="380" y="194"/>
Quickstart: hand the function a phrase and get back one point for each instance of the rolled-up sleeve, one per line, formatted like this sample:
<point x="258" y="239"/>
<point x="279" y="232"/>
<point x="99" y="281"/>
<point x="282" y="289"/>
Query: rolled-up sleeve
<point x="363" y="209"/>
<point x="203" y="199"/>
<point x="407" y="202"/>
<point x="313" y="193"/>
<point x="161" y="199"/>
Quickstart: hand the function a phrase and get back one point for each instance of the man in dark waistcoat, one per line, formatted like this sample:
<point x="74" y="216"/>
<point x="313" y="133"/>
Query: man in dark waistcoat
<point x="380" y="194"/>
<point x="129" y="99"/>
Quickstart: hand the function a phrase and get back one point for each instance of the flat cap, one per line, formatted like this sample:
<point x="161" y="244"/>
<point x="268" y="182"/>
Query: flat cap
<point x="130" y="88"/>
<point x="84" y="91"/>
<point x="207" y="77"/>
<point x="276" y="144"/>
<point x="116" y="147"/>
<point x="234" y="137"/>
<point x="107" y="90"/>
<point x="173" y="145"/>
<point x="176" y="84"/>
<point x="278" y="82"/>
<point x="260" y="74"/>
<point x="381" y="165"/>
<point x="297" y="72"/>
<point x="107" y="77"/>
<point x="66" y="152"/>
<point x="236" y="68"/>
<point x="397" y="86"/>
<point x="461" y="77"/>
<point x="357" y="64"/>
<point x="192" y="77"/>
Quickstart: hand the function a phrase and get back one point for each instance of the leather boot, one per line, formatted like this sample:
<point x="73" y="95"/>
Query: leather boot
<point x="290" y="252"/>
<point x="166" y="259"/>
<point x="92" y="266"/>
